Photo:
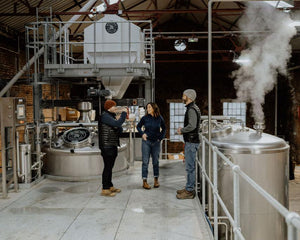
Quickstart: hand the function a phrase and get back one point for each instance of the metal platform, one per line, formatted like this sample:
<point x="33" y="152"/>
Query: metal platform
<point x="97" y="70"/>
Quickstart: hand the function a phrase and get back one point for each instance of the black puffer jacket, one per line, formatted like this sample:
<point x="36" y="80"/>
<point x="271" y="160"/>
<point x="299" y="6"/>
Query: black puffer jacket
<point x="110" y="129"/>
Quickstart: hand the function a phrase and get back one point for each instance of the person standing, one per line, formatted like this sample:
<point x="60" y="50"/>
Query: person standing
<point x="154" y="131"/>
<point x="109" y="131"/>
<point x="190" y="132"/>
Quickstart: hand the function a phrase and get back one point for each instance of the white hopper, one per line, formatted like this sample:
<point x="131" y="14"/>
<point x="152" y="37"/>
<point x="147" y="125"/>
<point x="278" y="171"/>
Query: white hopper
<point x="117" y="42"/>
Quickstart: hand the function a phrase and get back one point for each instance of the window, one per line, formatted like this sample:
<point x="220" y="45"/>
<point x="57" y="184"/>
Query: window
<point x="177" y="111"/>
<point x="235" y="109"/>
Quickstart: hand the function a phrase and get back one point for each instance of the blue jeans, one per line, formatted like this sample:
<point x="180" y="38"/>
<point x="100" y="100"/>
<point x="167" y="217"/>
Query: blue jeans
<point x="153" y="149"/>
<point x="190" y="151"/>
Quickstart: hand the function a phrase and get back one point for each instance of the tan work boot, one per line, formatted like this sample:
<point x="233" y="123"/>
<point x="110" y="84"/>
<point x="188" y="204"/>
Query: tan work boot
<point x="156" y="183"/>
<point x="186" y="195"/>
<point x="115" y="190"/>
<point x="146" y="185"/>
<point x="180" y="191"/>
<point x="107" y="193"/>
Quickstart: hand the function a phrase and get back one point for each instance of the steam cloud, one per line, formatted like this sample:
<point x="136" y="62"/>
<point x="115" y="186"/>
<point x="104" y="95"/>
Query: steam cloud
<point x="269" y="52"/>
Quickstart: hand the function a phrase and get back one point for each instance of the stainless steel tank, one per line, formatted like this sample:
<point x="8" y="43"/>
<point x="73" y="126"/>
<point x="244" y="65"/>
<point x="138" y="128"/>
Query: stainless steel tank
<point x="265" y="159"/>
<point x="84" y="108"/>
<point x="24" y="164"/>
<point x="77" y="157"/>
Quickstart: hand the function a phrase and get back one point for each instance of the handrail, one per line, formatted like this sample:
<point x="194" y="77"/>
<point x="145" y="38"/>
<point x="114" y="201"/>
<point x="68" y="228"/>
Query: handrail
<point x="292" y="218"/>
<point x="63" y="42"/>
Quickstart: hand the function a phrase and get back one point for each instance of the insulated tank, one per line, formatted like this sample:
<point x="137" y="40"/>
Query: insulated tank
<point x="265" y="159"/>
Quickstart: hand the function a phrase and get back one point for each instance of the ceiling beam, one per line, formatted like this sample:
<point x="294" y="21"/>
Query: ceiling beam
<point x="190" y="52"/>
<point x="191" y="61"/>
<point x="84" y="18"/>
<point x="40" y="3"/>
<point x="137" y="4"/>
<point x="165" y="11"/>
<point x="77" y="3"/>
<point x="26" y="3"/>
<point x="124" y="9"/>
<point x="69" y="8"/>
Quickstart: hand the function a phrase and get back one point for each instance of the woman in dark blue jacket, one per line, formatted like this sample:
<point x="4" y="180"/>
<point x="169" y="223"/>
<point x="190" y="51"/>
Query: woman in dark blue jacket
<point x="154" y="131"/>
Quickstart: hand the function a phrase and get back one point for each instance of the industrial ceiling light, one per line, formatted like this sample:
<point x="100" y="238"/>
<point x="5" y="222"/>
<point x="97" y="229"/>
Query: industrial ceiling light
<point x="193" y="39"/>
<point x="241" y="60"/>
<point x="245" y="62"/>
<point x="281" y="4"/>
<point x="180" y="45"/>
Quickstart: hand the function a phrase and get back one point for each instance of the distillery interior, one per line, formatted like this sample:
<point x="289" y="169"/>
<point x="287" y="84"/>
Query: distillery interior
<point x="67" y="65"/>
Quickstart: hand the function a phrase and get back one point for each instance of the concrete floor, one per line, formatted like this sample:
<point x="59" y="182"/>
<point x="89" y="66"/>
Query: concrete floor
<point x="75" y="210"/>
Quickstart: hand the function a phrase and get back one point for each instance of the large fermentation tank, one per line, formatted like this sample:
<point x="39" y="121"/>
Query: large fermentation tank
<point x="76" y="156"/>
<point x="113" y="40"/>
<point x="264" y="158"/>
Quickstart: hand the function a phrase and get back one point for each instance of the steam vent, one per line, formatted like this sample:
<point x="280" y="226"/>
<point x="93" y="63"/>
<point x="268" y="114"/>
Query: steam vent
<point x="149" y="119"/>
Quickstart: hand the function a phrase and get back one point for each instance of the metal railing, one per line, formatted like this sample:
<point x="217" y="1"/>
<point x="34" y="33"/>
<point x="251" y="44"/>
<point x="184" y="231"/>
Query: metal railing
<point x="60" y="47"/>
<point x="292" y="219"/>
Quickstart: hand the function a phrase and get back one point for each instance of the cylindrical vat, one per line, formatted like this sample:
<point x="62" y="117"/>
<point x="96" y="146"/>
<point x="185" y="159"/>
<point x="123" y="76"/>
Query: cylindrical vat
<point x="77" y="157"/>
<point x="82" y="164"/>
<point x="264" y="158"/>
<point x="25" y="163"/>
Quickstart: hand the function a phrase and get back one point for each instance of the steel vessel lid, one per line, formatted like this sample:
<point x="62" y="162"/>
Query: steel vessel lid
<point x="249" y="141"/>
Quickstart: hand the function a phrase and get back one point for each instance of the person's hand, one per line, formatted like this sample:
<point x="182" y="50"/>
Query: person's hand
<point x="144" y="137"/>
<point x="125" y="109"/>
<point x="179" y="130"/>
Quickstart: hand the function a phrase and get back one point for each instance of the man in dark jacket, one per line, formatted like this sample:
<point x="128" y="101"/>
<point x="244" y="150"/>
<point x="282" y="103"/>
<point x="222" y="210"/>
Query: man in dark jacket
<point x="190" y="133"/>
<point x="109" y="130"/>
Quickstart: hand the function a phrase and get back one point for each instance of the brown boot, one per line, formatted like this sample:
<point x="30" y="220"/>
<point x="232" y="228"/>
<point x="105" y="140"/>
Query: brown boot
<point x="107" y="193"/>
<point x="146" y="185"/>
<point x="180" y="191"/>
<point x="156" y="183"/>
<point x="115" y="190"/>
<point x="186" y="195"/>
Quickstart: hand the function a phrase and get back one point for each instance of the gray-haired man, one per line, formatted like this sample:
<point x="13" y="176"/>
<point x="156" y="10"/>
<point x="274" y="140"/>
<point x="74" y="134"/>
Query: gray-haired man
<point x="190" y="133"/>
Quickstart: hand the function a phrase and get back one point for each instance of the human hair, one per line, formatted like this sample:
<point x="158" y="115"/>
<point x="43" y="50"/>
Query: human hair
<point x="156" y="111"/>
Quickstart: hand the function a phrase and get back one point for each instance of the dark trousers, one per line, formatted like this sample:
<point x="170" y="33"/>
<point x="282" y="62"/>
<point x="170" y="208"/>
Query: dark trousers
<point x="109" y="155"/>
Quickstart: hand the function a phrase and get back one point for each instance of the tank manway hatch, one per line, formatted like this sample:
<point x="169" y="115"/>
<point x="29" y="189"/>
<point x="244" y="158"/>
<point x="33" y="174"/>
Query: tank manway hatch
<point x="77" y="137"/>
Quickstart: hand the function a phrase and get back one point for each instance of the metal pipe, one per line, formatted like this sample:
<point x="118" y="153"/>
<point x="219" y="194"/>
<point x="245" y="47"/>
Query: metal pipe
<point x="215" y="170"/>
<point x="94" y="124"/>
<point x="236" y="199"/>
<point x="276" y="106"/>
<point x="3" y="163"/>
<point x="41" y="51"/>
<point x="196" y="174"/>
<point x="124" y="12"/>
<point x="213" y="32"/>
<point x="292" y="232"/>
<point x="203" y="173"/>
<point x="191" y="52"/>
<point x="209" y="97"/>
<point x="18" y="154"/>
<point x="9" y="50"/>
